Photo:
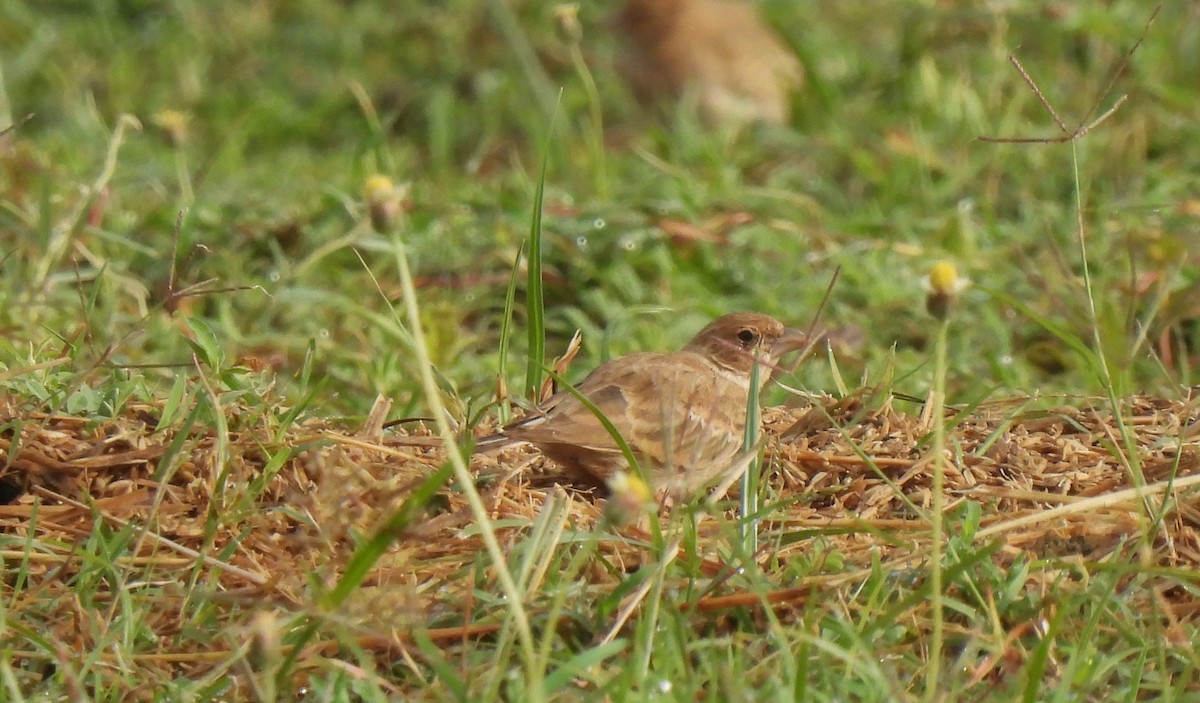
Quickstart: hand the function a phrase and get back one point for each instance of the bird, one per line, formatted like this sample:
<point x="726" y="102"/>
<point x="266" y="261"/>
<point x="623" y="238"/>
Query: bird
<point x="719" y="53"/>
<point x="682" y="414"/>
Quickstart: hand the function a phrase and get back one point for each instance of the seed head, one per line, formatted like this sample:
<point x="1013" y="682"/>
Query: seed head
<point x="566" y="21"/>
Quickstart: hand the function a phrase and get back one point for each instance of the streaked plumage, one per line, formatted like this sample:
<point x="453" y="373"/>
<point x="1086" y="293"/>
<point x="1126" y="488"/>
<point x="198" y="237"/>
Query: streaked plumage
<point x="682" y="413"/>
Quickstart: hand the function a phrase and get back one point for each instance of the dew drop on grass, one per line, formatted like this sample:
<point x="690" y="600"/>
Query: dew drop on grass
<point x="323" y="333"/>
<point x="663" y="686"/>
<point x="628" y="243"/>
<point x="1006" y="359"/>
<point x="599" y="223"/>
<point x="274" y="276"/>
<point x="581" y="242"/>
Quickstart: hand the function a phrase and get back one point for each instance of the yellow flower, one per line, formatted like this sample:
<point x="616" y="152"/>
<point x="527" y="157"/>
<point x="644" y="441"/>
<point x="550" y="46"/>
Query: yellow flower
<point x="383" y="201"/>
<point x="943" y="278"/>
<point x="943" y="284"/>
<point x="629" y="498"/>
<point x="378" y="188"/>
<point x="173" y="124"/>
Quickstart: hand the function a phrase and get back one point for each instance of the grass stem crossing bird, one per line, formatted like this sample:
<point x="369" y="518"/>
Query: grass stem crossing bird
<point x="682" y="413"/>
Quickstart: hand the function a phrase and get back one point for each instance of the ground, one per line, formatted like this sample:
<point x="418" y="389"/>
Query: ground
<point x="225" y="474"/>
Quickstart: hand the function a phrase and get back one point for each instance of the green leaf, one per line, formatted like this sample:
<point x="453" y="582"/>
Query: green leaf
<point x="204" y="343"/>
<point x="578" y="665"/>
<point x="506" y="334"/>
<point x="534" y="301"/>
<point x="366" y="555"/>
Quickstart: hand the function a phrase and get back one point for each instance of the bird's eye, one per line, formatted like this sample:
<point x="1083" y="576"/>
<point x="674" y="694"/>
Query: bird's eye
<point x="747" y="337"/>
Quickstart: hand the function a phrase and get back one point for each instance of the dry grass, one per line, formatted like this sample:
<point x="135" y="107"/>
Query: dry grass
<point x="293" y="505"/>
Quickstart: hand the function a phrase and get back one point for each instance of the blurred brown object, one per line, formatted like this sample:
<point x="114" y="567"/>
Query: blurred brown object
<point x="718" y="53"/>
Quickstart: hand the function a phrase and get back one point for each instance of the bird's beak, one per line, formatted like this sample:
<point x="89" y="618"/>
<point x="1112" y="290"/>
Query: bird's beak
<point x="792" y="340"/>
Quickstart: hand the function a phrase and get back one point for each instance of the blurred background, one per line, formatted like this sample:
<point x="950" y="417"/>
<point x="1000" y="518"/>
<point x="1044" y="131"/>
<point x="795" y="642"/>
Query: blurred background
<point x="264" y="119"/>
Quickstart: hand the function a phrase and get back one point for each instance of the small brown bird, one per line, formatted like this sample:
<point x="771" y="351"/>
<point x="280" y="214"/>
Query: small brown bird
<point x="719" y="53"/>
<point x="683" y="414"/>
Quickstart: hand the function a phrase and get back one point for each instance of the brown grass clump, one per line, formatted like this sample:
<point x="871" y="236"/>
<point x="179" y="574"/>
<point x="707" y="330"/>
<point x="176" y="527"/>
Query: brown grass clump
<point x="258" y="519"/>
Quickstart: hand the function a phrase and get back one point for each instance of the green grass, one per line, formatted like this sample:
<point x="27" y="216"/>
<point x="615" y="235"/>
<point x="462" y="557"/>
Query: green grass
<point x="292" y="106"/>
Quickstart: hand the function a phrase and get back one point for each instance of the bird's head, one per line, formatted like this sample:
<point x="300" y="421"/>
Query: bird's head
<point x="737" y="340"/>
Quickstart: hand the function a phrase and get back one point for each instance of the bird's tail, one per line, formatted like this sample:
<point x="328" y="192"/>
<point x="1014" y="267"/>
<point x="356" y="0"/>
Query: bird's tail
<point x="493" y="442"/>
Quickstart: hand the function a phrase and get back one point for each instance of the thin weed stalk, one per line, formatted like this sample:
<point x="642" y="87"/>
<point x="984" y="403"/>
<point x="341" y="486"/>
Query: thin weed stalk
<point x="465" y="481"/>
<point x="569" y="27"/>
<point x="943" y="286"/>
<point x="539" y="545"/>
<point x="937" y="506"/>
<point x="1127" y="453"/>
<point x="513" y="597"/>
<point x="64" y="231"/>
<point x="518" y="43"/>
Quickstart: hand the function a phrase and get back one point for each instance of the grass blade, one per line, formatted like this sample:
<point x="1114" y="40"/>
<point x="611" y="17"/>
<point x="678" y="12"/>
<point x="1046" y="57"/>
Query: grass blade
<point x="505" y="337"/>
<point x="534" y="301"/>
<point x="366" y="555"/>
<point x="749" y="524"/>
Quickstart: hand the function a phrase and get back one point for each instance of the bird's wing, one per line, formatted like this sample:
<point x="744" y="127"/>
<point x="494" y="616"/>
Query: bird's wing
<point x="672" y="409"/>
<point x="613" y="387"/>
